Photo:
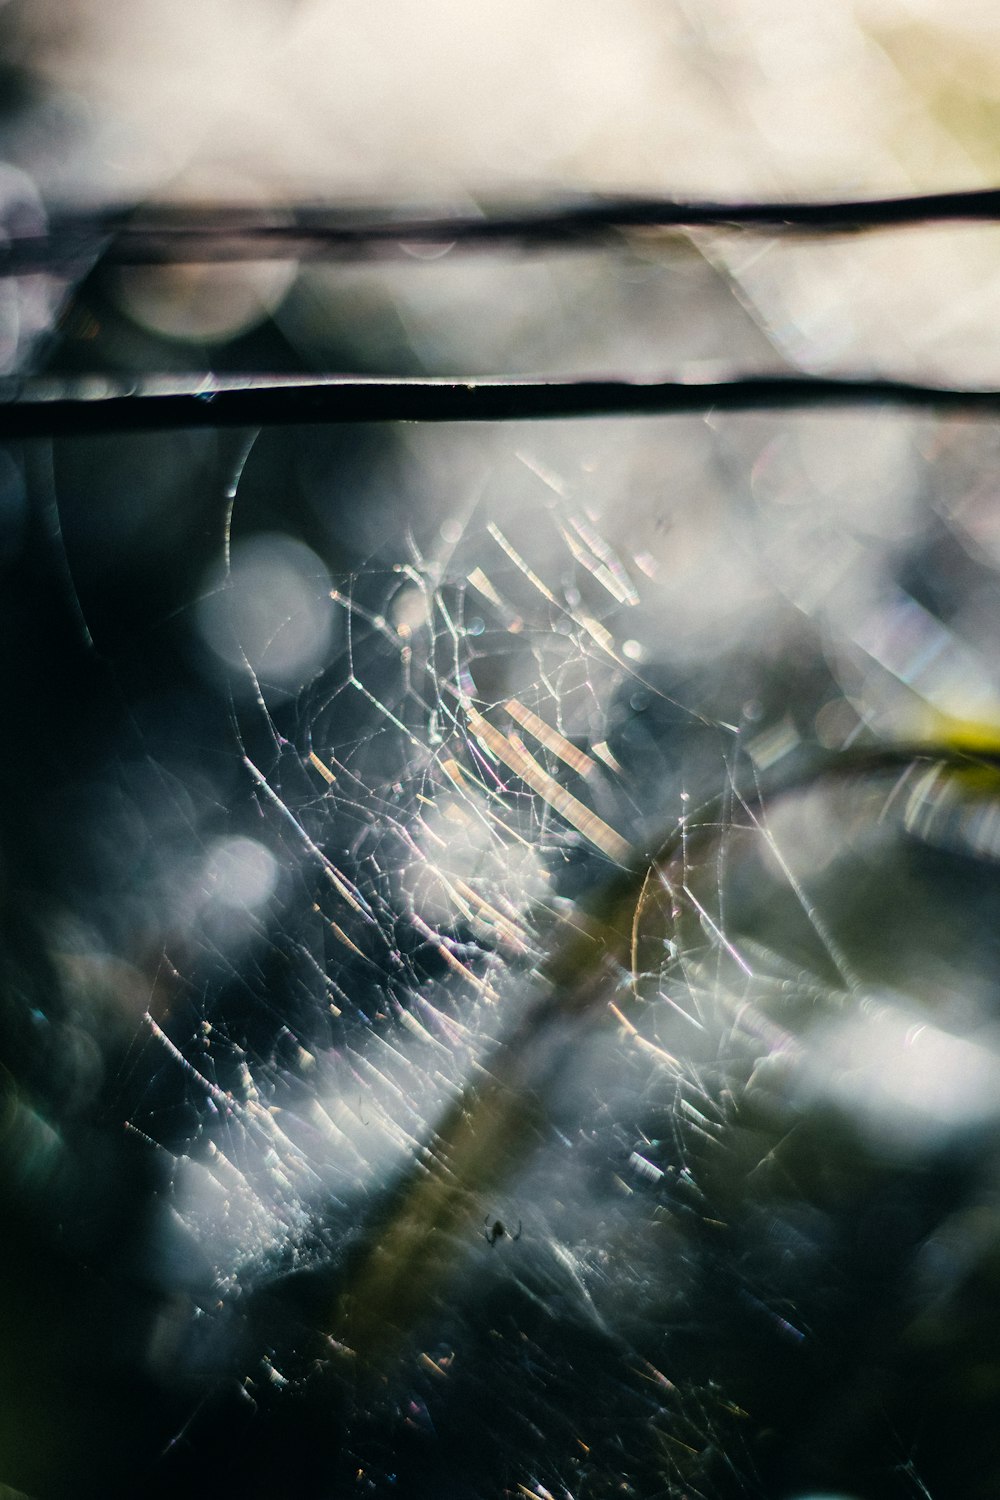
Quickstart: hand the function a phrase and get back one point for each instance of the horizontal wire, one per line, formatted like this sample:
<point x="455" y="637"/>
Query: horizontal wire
<point x="46" y="408"/>
<point x="191" y="233"/>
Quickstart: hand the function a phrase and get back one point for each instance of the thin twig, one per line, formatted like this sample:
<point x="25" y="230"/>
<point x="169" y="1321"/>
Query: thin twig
<point x="46" y="408"/>
<point x="171" y="234"/>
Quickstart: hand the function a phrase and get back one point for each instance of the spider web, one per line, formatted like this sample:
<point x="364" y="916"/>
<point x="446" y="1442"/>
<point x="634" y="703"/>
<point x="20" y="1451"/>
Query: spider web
<point x="451" y="779"/>
<point x="392" y="1011"/>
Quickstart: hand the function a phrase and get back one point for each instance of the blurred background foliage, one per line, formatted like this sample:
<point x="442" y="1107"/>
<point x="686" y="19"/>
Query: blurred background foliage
<point x="759" y="1248"/>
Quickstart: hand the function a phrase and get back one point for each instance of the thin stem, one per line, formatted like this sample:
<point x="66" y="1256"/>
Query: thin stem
<point x="158" y="235"/>
<point x="33" y="409"/>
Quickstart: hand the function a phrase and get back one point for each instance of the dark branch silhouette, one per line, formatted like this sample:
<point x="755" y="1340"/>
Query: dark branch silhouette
<point x="190" y="233"/>
<point x="49" y="408"/>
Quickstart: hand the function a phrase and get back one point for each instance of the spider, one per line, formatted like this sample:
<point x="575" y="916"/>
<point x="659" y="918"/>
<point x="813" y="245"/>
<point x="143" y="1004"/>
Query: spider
<point x="496" y="1231"/>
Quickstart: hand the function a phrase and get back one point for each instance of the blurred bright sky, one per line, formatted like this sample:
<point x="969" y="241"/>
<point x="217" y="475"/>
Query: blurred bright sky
<point x="453" y="103"/>
<point x="384" y="97"/>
